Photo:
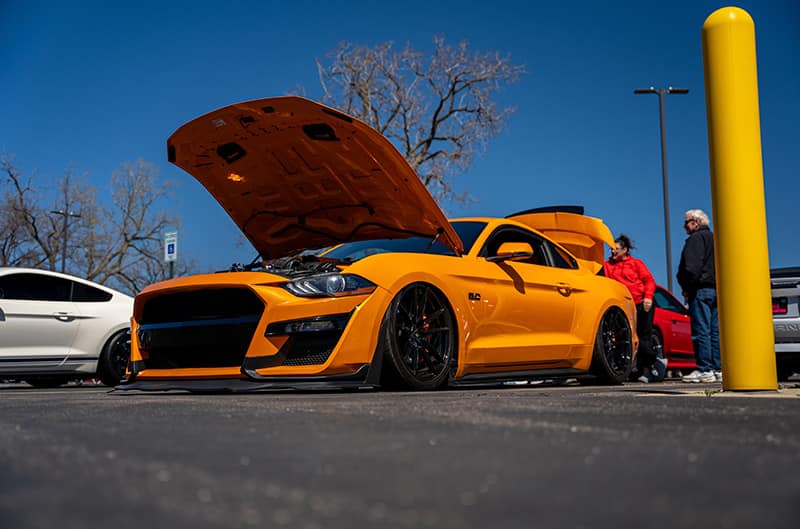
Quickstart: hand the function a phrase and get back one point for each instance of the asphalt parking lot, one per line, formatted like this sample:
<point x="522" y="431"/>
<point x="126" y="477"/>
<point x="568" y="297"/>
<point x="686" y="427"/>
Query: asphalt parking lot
<point x="539" y="455"/>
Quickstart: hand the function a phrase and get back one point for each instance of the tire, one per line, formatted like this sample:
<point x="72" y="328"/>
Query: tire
<point x="48" y="382"/>
<point x="418" y="339"/>
<point x="114" y="358"/>
<point x="613" y="348"/>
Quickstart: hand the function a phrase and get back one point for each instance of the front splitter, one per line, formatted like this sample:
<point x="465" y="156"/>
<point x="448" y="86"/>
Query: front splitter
<point x="357" y="380"/>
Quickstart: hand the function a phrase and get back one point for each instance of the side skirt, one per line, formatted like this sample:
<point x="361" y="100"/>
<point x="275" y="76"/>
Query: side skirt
<point x="509" y="376"/>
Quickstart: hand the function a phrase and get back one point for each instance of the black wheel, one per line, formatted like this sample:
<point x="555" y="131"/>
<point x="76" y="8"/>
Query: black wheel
<point x="418" y="339"/>
<point x="114" y="358"/>
<point x="48" y="382"/>
<point x="613" y="348"/>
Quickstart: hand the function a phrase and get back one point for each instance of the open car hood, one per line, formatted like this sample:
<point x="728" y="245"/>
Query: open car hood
<point x="583" y="236"/>
<point x="294" y="174"/>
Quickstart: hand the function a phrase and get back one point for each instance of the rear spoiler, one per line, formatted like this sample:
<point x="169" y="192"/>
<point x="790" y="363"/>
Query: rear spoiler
<point x="583" y="236"/>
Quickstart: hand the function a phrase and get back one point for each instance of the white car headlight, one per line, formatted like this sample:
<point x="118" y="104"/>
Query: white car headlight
<point x="330" y="285"/>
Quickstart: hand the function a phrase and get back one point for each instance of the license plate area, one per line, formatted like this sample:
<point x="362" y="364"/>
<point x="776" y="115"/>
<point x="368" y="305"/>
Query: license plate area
<point x="780" y="306"/>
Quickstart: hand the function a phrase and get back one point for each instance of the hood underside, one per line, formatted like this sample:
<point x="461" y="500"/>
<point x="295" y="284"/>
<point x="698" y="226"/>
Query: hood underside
<point x="294" y="174"/>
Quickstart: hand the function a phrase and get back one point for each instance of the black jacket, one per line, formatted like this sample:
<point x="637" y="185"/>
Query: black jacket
<point x="696" y="270"/>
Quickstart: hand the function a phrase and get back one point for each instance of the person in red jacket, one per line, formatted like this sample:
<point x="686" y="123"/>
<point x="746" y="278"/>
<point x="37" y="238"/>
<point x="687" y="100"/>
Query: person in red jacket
<point x="634" y="274"/>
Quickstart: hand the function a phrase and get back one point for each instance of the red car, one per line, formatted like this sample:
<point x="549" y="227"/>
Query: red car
<point x="673" y="331"/>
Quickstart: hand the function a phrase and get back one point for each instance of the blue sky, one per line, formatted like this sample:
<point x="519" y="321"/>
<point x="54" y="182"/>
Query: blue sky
<point x="89" y="85"/>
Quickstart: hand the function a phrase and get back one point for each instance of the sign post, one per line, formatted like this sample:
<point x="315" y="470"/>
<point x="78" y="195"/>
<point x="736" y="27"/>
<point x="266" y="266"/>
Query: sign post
<point x="171" y="250"/>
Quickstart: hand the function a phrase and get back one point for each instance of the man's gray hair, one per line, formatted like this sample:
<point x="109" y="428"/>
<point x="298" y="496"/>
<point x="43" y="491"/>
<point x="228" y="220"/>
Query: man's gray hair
<point x="699" y="215"/>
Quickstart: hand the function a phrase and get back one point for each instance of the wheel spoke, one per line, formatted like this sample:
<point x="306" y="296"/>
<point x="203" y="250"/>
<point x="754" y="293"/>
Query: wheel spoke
<point x="121" y="354"/>
<point x="417" y="306"/>
<point x="433" y="353"/>
<point x="402" y="308"/>
<point x="410" y="356"/>
<point x="427" y="359"/>
<point x="436" y="314"/>
<point x="621" y="343"/>
<point x="434" y="330"/>
<point x="421" y="353"/>
<point x="424" y="303"/>
<point x="428" y="348"/>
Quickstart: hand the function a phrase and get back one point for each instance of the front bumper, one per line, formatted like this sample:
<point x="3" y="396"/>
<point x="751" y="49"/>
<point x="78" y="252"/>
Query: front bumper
<point x="279" y="342"/>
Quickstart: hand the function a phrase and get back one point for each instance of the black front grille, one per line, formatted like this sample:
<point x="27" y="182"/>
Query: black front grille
<point x="202" y="305"/>
<point x="199" y="329"/>
<point x="309" y="349"/>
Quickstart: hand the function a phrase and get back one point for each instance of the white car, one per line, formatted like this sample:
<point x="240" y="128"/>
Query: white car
<point x="56" y="327"/>
<point x="786" y="319"/>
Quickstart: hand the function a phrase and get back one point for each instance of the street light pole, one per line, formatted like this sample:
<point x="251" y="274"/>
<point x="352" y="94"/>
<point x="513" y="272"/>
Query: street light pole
<point x="66" y="214"/>
<point x="664" y="181"/>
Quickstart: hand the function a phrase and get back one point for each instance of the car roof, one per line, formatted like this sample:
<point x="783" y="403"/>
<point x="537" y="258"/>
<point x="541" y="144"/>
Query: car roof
<point x="5" y="270"/>
<point x="495" y="222"/>
<point x="791" y="271"/>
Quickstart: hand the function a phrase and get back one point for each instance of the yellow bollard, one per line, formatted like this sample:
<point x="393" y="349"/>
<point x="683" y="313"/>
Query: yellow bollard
<point x="737" y="192"/>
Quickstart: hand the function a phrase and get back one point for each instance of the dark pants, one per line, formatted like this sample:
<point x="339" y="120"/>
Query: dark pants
<point x="644" y="329"/>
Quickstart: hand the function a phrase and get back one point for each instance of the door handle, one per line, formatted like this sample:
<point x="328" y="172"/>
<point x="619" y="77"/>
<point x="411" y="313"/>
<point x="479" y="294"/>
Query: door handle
<point x="63" y="316"/>
<point x="563" y="289"/>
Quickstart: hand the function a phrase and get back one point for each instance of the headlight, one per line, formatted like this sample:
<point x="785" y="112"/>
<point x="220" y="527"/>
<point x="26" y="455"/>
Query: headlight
<point x="331" y="285"/>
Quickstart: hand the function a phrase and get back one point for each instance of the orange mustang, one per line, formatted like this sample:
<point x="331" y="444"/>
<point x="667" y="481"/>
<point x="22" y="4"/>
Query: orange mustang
<point x="361" y="280"/>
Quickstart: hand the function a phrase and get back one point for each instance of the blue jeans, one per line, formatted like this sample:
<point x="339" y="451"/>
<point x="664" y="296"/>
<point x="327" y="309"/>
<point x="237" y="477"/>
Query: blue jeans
<point x="705" y="329"/>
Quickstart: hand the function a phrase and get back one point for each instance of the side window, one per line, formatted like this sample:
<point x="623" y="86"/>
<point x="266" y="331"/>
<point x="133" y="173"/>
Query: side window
<point x="34" y="287"/>
<point x="81" y="292"/>
<point x="665" y="301"/>
<point x="514" y="234"/>
<point x="560" y="258"/>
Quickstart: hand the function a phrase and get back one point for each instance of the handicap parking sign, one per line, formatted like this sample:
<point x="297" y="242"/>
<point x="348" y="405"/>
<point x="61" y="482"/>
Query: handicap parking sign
<point x="171" y="246"/>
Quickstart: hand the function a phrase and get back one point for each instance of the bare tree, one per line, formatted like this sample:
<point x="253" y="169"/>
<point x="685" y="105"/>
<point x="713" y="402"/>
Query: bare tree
<point x="28" y="235"/>
<point x="129" y="235"/>
<point x="118" y="244"/>
<point x="437" y="110"/>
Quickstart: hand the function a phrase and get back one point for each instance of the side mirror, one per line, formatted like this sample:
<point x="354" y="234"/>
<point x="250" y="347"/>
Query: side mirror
<point x="512" y="251"/>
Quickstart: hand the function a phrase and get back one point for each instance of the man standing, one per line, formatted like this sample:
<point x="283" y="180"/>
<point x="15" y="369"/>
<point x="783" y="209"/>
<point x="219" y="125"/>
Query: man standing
<point x="697" y="277"/>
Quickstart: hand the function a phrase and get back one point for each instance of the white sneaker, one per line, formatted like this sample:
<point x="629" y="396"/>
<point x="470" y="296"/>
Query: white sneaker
<point x="643" y="379"/>
<point x="699" y="376"/>
<point x="718" y="376"/>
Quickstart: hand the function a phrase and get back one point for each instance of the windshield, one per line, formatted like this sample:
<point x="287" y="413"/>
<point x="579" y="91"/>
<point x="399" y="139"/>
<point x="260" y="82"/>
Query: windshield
<point x="468" y="231"/>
